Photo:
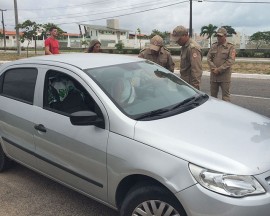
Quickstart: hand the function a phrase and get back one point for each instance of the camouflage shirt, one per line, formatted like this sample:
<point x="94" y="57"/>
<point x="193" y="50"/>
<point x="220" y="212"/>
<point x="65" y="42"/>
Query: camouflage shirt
<point x="221" y="57"/>
<point x="164" y="58"/>
<point x="191" y="63"/>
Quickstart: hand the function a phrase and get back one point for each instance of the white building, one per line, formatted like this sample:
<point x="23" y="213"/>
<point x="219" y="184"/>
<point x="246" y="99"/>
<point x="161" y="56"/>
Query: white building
<point x="108" y="35"/>
<point x="71" y="39"/>
<point x="112" y="34"/>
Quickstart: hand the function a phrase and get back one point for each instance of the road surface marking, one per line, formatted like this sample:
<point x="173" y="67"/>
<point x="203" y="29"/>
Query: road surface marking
<point x="264" y="98"/>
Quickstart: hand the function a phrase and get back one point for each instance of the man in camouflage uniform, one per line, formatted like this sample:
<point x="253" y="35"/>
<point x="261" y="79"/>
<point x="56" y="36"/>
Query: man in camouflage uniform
<point x="191" y="57"/>
<point x="158" y="53"/>
<point x="220" y="58"/>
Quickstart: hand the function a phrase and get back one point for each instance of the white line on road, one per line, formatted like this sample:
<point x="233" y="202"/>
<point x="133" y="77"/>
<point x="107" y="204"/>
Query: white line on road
<point x="264" y="98"/>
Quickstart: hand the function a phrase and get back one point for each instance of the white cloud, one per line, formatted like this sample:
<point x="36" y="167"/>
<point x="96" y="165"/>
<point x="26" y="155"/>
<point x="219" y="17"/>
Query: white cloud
<point x="246" y="18"/>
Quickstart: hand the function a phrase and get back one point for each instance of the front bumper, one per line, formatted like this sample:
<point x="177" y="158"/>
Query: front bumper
<point x="199" y="201"/>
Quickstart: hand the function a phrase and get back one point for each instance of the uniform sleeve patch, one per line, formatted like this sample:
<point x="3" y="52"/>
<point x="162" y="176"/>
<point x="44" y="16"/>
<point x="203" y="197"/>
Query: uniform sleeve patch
<point x="233" y="54"/>
<point x="194" y="55"/>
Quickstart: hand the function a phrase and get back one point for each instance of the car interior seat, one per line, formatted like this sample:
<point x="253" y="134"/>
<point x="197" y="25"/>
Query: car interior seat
<point x="64" y="96"/>
<point x="122" y="91"/>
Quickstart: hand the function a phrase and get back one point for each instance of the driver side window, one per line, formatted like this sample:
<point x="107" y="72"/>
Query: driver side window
<point x="65" y="95"/>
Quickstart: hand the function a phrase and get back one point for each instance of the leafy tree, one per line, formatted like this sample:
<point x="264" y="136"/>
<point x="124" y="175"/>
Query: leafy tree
<point x="165" y="35"/>
<point x="230" y="31"/>
<point x="119" y="46"/>
<point x="84" y="43"/>
<point x="260" y="38"/>
<point x="30" y="30"/>
<point x="139" y="36"/>
<point x="156" y="32"/>
<point x="209" y="30"/>
<point x="47" y="27"/>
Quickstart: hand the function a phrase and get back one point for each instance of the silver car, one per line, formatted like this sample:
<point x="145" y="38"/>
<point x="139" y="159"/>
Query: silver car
<point x="132" y="135"/>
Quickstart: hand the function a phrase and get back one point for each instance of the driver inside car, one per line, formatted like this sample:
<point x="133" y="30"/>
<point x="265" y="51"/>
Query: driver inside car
<point x="123" y="91"/>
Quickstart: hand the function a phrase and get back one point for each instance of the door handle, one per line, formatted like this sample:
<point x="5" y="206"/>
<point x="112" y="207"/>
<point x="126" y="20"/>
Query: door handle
<point x="41" y="128"/>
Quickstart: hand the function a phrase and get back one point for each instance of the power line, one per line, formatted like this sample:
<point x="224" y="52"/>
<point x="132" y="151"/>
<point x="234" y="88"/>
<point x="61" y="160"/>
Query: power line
<point x="101" y="2"/>
<point x="102" y="12"/>
<point x="77" y="5"/>
<point x="137" y="12"/>
<point x="239" y="2"/>
<point x="70" y="6"/>
<point x="126" y="13"/>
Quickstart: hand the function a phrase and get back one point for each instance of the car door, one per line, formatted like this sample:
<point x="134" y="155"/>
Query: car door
<point x="17" y="94"/>
<point x="72" y="154"/>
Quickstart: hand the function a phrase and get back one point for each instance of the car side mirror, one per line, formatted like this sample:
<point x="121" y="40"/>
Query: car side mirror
<point x="86" y="118"/>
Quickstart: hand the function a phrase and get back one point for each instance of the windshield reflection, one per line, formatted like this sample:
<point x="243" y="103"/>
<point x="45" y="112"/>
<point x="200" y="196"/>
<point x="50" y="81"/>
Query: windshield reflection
<point x="141" y="87"/>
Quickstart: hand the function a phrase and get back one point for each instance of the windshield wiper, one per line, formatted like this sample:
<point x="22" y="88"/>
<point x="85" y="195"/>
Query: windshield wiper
<point x="162" y="74"/>
<point x="183" y="106"/>
<point x="152" y="113"/>
<point x="191" y="101"/>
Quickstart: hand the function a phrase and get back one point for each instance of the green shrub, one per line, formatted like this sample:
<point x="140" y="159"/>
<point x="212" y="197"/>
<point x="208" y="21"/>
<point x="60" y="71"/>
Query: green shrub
<point x="266" y="55"/>
<point x="135" y="51"/>
<point x="119" y="47"/>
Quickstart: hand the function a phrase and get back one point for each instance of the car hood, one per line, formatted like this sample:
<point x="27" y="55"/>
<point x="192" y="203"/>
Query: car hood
<point x="216" y="135"/>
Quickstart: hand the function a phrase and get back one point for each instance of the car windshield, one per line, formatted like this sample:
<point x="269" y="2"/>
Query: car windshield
<point x="144" y="90"/>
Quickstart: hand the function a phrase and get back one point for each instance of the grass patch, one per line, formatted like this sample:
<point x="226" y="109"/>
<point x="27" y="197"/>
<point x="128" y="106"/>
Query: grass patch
<point x="251" y="67"/>
<point x="13" y="56"/>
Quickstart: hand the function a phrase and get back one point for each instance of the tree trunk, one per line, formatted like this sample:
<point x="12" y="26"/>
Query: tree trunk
<point x="35" y="45"/>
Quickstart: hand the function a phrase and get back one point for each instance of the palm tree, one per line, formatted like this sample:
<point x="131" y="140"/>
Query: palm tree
<point x="139" y="36"/>
<point x="209" y="31"/>
<point x="230" y="31"/>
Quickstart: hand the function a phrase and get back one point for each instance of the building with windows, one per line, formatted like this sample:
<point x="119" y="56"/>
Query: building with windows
<point x="111" y="34"/>
<point x="69" y="40"/>
<point x="108" y="35"/>
<point x="11" y="38"/>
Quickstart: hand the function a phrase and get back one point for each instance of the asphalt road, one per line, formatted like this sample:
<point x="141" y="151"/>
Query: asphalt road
<point x="250" y="93"/>
<point x="26" y="193"/>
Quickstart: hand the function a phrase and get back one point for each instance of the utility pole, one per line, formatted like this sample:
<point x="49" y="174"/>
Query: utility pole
<point x="17" y="30"/>
<point x="190" y="17"/>
<point x="4" y="31"/>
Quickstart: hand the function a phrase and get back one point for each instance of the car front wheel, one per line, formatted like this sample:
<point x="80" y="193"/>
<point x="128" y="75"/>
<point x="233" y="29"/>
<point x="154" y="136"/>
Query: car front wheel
<point x="151" y="200"/>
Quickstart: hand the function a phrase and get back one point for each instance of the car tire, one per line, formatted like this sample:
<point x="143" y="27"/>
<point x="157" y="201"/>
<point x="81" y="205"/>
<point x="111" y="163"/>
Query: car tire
<point x="5" y="162"/>
<point x="150" y="200"/>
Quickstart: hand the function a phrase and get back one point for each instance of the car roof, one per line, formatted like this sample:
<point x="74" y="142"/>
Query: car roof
<point x="84" y="60"/>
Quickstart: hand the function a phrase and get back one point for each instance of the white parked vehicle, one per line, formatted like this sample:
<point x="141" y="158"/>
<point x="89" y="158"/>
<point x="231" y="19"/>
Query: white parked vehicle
<point x="132" y="135"/>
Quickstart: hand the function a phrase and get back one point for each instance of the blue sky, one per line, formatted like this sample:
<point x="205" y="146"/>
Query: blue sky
<point x="244" y="16"/>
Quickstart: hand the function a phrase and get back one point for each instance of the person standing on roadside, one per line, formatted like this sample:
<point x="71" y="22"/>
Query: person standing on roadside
<point x="220" y="59"/>
<point x="158" y="53"/>
<point x="191" y="57"/>
<point x="51" y="43"/>
<point x="94" y="46"/>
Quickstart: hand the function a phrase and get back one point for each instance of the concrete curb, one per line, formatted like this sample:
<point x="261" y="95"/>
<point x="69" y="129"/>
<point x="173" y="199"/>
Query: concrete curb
<point x="3" y="62"/>
<point x="238" y="75"/>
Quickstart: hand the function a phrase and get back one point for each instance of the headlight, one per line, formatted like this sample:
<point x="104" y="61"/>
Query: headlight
<point x="227" y="184"/>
